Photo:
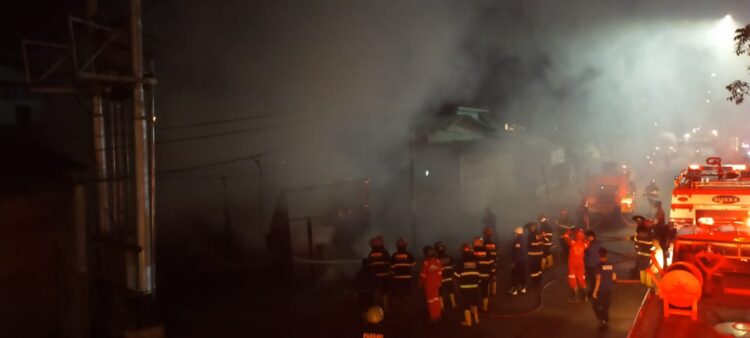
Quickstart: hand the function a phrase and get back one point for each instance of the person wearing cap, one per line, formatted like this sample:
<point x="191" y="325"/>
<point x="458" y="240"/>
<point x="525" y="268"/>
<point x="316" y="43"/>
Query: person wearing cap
<point x="430" y="279"/>
<point x="379" y="262"/>
<point x="547" y="232"/>
<point x="491" y="248"/>
<point x="485" y="269"/>
<point x="520" y="264"/>
<point x="467" y="275"/>
<point x="447" y="287"/>
<point x="591" y="259"/>
<point x="535" y="253"/>
<point x="402" y="263"/>
<point x="374" y="323"/>
<point x="643" y="241"/>
<point x="603" y="284"/>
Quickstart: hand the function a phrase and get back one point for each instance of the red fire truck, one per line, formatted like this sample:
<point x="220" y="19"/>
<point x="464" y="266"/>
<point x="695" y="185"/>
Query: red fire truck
<point x="611" y="190"/>
<point x="705" y="290"/>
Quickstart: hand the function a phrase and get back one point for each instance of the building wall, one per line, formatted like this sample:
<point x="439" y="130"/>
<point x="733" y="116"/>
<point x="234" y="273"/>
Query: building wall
<point x="42" y="280"/>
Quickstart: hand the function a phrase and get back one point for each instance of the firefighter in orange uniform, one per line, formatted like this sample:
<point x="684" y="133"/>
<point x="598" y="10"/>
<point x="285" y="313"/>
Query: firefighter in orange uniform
<point x="576" y="266"/>
<point x="402" y="263"/>
<point x="491" y="248"/>
<point x="448" y="287"/>
<point x="430" y="279"/>
<point x="379" y="262"/>
<point x="467" y="274"/>
<point x="485" y="268"/>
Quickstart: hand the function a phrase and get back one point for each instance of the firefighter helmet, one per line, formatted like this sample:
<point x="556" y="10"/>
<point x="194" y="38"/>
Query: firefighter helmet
<point x="376" y="242"/>
<point x="487" y="232"/>
<point x="401" y="243"/>
<point x="428" y="251"/>
<point x="478" y="242"/>
<point x="518" y="230"/>
<point x="465" y="248"/>
<point x="375" y="315"/>
<point x="439" y="247"/>
<point x="541" y="217"/>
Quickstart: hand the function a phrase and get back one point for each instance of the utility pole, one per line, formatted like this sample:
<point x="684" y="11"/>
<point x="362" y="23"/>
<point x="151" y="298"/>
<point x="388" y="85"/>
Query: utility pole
<point x="145" y="283"/>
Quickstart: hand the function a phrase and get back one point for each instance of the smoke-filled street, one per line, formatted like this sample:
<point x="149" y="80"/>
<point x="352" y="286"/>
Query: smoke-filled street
<point x="509" y="168"/>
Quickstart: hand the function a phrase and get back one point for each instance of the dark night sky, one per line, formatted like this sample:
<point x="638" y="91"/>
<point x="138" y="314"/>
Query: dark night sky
<point x="338" y="82"/>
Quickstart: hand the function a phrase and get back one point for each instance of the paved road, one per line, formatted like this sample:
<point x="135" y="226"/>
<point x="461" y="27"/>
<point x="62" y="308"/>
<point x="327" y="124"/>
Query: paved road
<point x="247" y="304"/>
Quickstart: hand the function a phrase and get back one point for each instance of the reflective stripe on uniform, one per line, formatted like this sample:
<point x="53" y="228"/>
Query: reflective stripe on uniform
<point x="469" y="286"/>
<point x="468" y="273"/>
<point x="377" y="263"/>
<point x="402" y="277"/>
<point x="644" y="254"/>
<point x="447" y="279"/>
<point x="382" y="274"/>
<point x="536" y="274"/>
<point x="535" y="253"/>
<point x="398" y="265"/>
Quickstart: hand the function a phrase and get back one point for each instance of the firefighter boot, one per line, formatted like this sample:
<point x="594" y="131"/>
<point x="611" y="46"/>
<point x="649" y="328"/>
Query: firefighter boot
<point x="453" y="300"/>
<point x="573" y="298"/>
<point x="584" y="295"/>
<point x="649" y="283"/>
<point x="475" y="310"/>
<point x="467" y="318"/>
<point x="494" y="288"/>
<point x="550" y="261"/>
<point x="485" y="304"/>
<point x="643" y="276"/>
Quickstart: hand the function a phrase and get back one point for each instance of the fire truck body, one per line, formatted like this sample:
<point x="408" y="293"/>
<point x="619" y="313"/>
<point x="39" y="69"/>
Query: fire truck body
<point x="611" y="190"/>
<point x="710" y="256"/>
<point x="714" y="195"/>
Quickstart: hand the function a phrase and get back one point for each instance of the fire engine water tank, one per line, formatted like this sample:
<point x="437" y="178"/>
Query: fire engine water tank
<point x="682" y="284"/>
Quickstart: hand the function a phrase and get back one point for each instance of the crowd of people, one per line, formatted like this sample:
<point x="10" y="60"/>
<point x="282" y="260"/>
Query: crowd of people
<point x="469" y="281"/>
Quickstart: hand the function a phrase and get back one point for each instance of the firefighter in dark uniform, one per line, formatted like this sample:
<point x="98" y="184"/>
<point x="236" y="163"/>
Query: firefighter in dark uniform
<point x="520" y="265"/>
<point x="485" y="268"/>
<point x="448" y="288"/>
<point x="605" y="277"/>
<point x="563" y="225"/>
<point x="379" y="262"/>
<point x="661" y="231"/>
<point x="491" y="248"/>
<point x="467" y="274"/>
<point x="643" y="240"/>
<point x="402" y="263"/>
<point x="547" y="233"/>
<point x="536" y="251"/>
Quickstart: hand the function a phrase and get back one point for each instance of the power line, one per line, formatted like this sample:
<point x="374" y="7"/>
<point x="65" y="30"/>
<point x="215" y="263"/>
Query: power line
<point x="205" y="136"/>
<point x="212" y="164"/>
<point x="208" y="123"/>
